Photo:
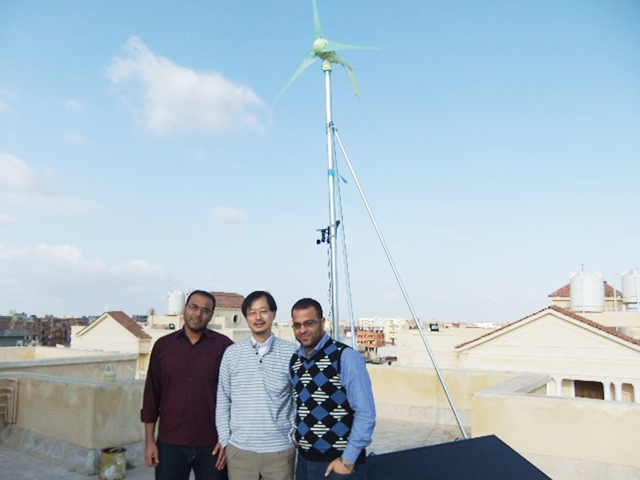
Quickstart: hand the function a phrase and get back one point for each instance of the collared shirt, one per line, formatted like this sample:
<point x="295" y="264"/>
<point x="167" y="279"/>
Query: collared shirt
<point x="356" y="381"/>
<point x="255" y="410"/>
<point x="180" y="389"/>
<point x="264" y="347"/>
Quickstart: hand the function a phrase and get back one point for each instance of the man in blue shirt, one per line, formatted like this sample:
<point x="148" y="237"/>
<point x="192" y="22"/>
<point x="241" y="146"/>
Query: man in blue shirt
<point x="335" y="408"/>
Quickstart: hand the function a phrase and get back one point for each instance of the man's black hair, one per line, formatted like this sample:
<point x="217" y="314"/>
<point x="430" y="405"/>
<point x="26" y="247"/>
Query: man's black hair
<point x="253" y="296"/>
<point x="305" y="303"/>
<point x="209" y="295"/>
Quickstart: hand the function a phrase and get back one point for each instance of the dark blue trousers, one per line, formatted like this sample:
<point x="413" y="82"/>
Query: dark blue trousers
<point x="176" y="463"/>
<point x="308" y="470"/>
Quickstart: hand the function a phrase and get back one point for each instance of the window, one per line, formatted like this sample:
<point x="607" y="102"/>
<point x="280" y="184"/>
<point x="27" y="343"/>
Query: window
<point x="585" y="389"/>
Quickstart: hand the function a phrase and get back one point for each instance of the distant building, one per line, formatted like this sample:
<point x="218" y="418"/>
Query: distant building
<point x="115" y="332"/>
<point x="46" y="332"/>
<point x="370" y="339"/>
<point x="612" y="297"/>
<point x="390" y="326"/>
<point x="613" y="309"/>
<point x="13" y="338"/>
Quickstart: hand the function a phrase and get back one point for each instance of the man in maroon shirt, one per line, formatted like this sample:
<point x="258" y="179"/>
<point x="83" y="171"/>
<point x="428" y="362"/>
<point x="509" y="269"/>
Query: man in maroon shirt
<point x="180" y="392"/>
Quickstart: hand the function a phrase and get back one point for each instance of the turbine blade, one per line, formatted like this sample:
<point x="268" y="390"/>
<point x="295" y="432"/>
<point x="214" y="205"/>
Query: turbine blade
<point x="316" y="20"/>
<point x="350" y="73"/>
<point x="309" y="58"/>
<point x="334" y="47"/>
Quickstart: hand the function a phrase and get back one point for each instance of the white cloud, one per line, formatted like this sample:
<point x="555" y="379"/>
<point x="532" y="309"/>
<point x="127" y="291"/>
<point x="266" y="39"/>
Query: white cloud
<point x="17" y="174"/>
<point x="229" y="217"/>
<point x="76" y="138"/>
<point x="461" y="238"/>
<point x="6" y="219"/>
<point x="177" y="98"/>
<point x="491" y="298"/>
<point x="74" y="105"/>
<point x="58" y="276"/>
<point x="25" y="189"/>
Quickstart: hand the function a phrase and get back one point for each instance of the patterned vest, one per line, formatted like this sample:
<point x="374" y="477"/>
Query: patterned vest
<point x="324" y="417"/>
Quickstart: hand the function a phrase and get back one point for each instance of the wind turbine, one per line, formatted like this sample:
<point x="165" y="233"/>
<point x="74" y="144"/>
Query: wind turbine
<point x="325" y="50"/>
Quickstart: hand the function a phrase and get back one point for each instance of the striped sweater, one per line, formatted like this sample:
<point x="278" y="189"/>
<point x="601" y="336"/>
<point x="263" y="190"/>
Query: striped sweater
<point x="255" y="409"/>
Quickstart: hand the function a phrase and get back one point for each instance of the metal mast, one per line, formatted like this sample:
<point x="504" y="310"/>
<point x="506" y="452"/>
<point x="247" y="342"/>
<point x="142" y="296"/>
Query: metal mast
<point x="333" y="226"/>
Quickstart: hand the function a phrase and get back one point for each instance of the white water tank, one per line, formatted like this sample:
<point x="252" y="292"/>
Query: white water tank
<point x="631" y="288"/>
<point x="587" y="292"/>
<point x="175" y="303"/>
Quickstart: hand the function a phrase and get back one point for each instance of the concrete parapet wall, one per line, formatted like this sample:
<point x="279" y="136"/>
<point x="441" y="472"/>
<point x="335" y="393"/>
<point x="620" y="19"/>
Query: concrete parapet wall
<point x="586" y="430"/>
<point x="81" y="367"/>
<point x="12" y="354"/>
<point x="89" y="414"/>
<point x="17" y="353"/>
<point x="408" y="393"/>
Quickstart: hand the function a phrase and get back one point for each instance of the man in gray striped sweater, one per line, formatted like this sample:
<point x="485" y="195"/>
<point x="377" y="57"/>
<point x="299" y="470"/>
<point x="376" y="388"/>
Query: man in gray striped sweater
<point x="255" y="411"/>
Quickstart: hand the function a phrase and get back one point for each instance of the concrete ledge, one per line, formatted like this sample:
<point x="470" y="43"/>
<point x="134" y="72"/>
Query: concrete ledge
<point x="587" y="431"/>
<point x="72" y="457"/>
<point x="528" y="383"/>
<point x="103" y="357"/>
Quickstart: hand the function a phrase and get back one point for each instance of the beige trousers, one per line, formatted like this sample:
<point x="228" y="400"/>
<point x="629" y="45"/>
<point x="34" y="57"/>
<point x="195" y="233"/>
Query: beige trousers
<point x="244" y="465"/>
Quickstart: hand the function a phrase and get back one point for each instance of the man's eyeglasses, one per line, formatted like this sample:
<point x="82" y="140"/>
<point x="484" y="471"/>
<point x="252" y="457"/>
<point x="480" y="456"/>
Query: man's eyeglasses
<point x="254" y="313"/>
<point x="195" y="308"/>
<point x="305" y="324"/>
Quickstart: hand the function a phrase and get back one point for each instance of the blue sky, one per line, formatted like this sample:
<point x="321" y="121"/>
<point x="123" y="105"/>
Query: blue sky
<point x="498" y="143"/>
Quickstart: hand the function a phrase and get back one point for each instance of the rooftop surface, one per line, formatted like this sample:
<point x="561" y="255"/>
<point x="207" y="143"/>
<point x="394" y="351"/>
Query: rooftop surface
<point x="389" y="435"/>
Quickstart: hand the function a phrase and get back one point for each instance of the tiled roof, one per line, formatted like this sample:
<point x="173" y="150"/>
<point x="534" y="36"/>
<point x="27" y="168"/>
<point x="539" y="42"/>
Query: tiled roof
<point x="565" y="292"/>
<point x="128" y="323"/>
<point x="228" y="300"/>
<point x="591" y="323"/>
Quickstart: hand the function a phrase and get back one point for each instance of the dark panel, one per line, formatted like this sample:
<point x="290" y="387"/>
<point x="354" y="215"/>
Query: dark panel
<point x="484" y="458"/>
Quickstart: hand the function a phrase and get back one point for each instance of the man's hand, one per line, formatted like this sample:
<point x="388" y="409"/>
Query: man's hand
<point x="338" y="467"/>
<point x="221" y="461"/>
<point x="151" y="457"/>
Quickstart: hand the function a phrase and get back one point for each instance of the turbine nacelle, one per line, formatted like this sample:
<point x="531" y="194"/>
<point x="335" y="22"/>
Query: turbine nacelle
<point x="319" y="46"/>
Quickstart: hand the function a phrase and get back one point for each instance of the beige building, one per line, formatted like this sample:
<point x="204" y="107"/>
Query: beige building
<point x="115" y="332"/>
<point x="582" y="357"/>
